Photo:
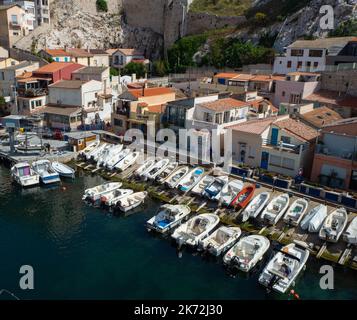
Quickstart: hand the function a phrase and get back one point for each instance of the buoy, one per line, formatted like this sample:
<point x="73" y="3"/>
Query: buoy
<point x="64" y="188"/>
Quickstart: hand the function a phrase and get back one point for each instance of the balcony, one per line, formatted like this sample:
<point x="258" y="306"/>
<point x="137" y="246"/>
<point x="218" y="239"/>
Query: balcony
<point x="283" y="147"/>
<point x="348" y="155"/>
<point x="32" y="93"/>
<point x="14" y="25"/>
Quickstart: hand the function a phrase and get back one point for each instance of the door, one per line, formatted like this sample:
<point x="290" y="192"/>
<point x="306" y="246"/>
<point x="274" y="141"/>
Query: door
<point x="265" y="160"/>
<point x="274" y="136"/>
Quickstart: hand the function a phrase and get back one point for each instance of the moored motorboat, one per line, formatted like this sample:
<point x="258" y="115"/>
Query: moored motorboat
<point x="213" y="190"/>
<point x="334" y="225"/>
<point x="156" y="169"/>
<point x="24" y="175"/>
<point x="276" y="209"/>
<point x="109" y="154"/>
<point x="63" y="170"/>
<point x="243" y="197"/>
<point x="195" y="229"/>
<point x="314" y="219"/>
<point x="128" y="161"/>
<point x="146" y="166"/>
<point x="282" y="270"/>
<point x="220" y="240"/>
<point x="168" y="218"/>
<point x="230" y="191"/>
<point x="110" y="199"/>
<point x="47" y="173"/>
<point x="170" y="168"/>
<point x="98" y="151"/>
<point x="191" y="179"/>
<point x="93" y="194"/>
<point x="350" y="236"/>
<point x="202" y="184"/>
<point x="115" y="161"/>
<point x="89" y="148"/>
<point x="131" y="201"/>
<point x="256" y="206"/>
<point x="174" y="179"/>
<point x="296" y="212"/>
<point x="245" y="254"/>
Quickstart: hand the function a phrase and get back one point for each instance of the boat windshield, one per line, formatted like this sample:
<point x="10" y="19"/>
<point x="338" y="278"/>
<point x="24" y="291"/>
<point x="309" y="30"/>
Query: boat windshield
<point x="24" y="171"/>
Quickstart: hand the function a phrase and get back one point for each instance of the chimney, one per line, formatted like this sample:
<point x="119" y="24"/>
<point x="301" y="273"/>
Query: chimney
<point x="133" y="77"/>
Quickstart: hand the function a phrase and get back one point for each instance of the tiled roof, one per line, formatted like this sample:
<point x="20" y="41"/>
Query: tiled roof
<point x="226" y="75"/>
<point x="322" y="43"/>
<point x="20" y="65"/>
<point x="98" y="51"/>
<point x="111" y="51"/>
<point x="321" y="116"/>
<point x="333" y="98"/>
<point x="79" y="53"/>
<point x="60" y="110"/>
<point x="57" y="52"/>
<point x="297" y="129"/>
<point x="149" y="92"/>
<point x="8" y="6"/>
<point x="160" y="108"/>
<point x="68" y="84"/>
<point x="130" y="52"/>
<point x="91" y="70"/>
<point x="53" y="67"/>
<point x="224" y="104"/>
<point x="256" y="127"/>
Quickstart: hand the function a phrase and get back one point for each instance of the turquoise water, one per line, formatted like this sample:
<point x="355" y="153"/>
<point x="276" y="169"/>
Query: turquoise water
<point x="79" y="252"/>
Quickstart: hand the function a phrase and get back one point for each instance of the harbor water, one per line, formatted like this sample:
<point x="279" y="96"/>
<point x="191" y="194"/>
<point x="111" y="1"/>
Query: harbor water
<point x="79" y="252"/>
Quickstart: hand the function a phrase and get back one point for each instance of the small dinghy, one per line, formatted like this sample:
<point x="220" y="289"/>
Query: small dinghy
<point x="146" y="166"/>
<point x="110" y="199"/>
<point x="195" y="229"/>
<point x="314" y="219"/>
<point x="191" y="179"/>
<point x="334" y="225"/>
<point x="350" y="236"/>
<point x="168" y="218"/>
<point x="202" y="185"/>
<point x="220" y="240"/>
<point x="213" y="190"/>
<point x="247" y="252"/>
<point x="170" y="168"/>
<point x="243" y="197"/>
<point x="132" y="201"/>
<point x="63" y="170"/>
<point x="276" y="209"/>
<point x="47" y="173"/>
<point x="296" y="212"/>
<point x="156" y="169"/>
<point x="88" y="149"/>
<point x="94" y="194"/>
<point x="230" y="191"/>
<point x="282" y="270"/>
<point x="174" y="179"/>
<point x="24" y="175"/>
<point x="128" y="161"/>
<point x="256" y="206"/>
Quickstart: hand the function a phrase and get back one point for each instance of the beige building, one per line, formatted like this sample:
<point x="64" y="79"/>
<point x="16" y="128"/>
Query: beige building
<point x="13" y="24"/>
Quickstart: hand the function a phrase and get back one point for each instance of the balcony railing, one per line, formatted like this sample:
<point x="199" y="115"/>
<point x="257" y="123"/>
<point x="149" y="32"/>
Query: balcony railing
<point x="350" y="155"/>
<point x="282" y="146"/>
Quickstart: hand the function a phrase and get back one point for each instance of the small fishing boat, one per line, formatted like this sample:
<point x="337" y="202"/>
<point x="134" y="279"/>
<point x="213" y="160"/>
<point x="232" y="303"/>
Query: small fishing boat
<point x="334" y="225"/>
<point x="97" y="151"/>
<point x="128" y="161"/>
<point x="168" y="218"/>
<point x="230" y="191"/>
<point x="170" y="168"/>
<point x="109" y="154"/>
<point x="314" y="218"/>
<point x="195" y="229"/>
<point x="102" y="153"/>
<point x="174" y="179"/>
<point x="220" y="240"/>
<point x="247" y="252"/>
<point x="48" y="174"/>
<point x="27" y="147"/>
<point x="350" y="236"/>
<point x="256" y="206"/>
<point x="94" y="194"/>
<point x="191" y="179"/>
<point x="296" y="212"/>
<point x="276" y="209"/>
<point x="131" y="201"/>
<point x="213" y="190"/>
<point x="110" y="199"/>
<point x="282" y="270"/>
<point x="202" y="185"/>
<point x="156" y="169"/>
<point x="243" y="197"/>
<point x="113" y="163"/>
<point x="63" y="170"/>
<point x="24" y="175"/>
<point x="89" y="148"/>
<point x="146" y="166"/>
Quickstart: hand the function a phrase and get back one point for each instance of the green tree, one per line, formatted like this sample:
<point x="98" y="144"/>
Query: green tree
<point x="102" y="5"/>
<point x="160" y="68"/>
<point x="138" y="68"/>
<point x="345" y="29"/>
<point x="3" y="107"/>
<point x="114" y="72"/>
<point x="260" y="19"/>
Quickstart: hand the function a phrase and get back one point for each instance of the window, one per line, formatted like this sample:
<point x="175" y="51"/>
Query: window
<point x="14" y="19"/>
<point x="283" y="94"/>
<point x="308" y="63"/>
<point x="316" y="64"/>
<point x="226" y="116"/>
<point x="297" y="52"/>
<point x="207" y="117"/>
<point x="285" y="139"/>
<point x="295" y="98"/>
<point x="315" y="53"/>
<point x="118" y="122"/>
<point x="218" y="118"/>
<point x="299" y="64"/>
<point x="289" y="64"/>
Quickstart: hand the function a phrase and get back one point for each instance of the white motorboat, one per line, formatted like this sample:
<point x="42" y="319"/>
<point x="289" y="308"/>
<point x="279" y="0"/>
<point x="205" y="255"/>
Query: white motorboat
<point x="191" y="179"/>
<point x="314" y="219"/>
<point x="168" y="217"/>
<point x="63" y="170"/>
<point x="247" y="252"/>
<point x="47" y="173"/>
<point x="276" y="209"/>
<point x="195" y="229"/>
<point x="146" y="166"/>
<point x="174" y="179"/>
<point x="93" y="194"/>
<point x="24" y="175"/>
<point x="97" y="151"/>
<point x="131" y="201"/>
<point x="101" y="154"/>
<point x="229" y="191"/>
<point x="117" y="158"/>
<point x="170" y="168"/>
<point x="128" y="161"/>
<point x="213" y="190"/>
<point x="110" y="199"/>
<point x="256" y="206"/>
<point x="334" y="225"/>
<point x="108" y="154"/>
<point x="282" y="270"/>
<point x="350" y="236"/>
<point x="296" y="212"/>
<point x="220" y="240"/>
<point x="202" y="185"/>
<point x="156" y="169"/>
<point x="89" y="148"/>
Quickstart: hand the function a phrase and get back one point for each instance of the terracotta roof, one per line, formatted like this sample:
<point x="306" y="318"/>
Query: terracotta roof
<point x="348" y="101"/>
<point x="344" y="123"/>
<point x="111" y="51"/>
<point x="98" y="51"/>
<point x="267" y="78"/>
<point x="24" y="75"/>
<point x="300" y="73"/>
<point x="256" y="127"/>
<point x="79" y="53"/>
<point x="9" y="6"/>
<point x="226" y="75"/>
<point x="150" y="92"/>
<point x="224" y="104"/>
<point x="130" y="52"/>
<point x="332" y="98"/>
<point x="160" y="108"/>
<point x="53" y="67"/>
<point x="320" y="116"/>
<point x="297" y="129"/>
<point x="57" y="52"/>
<point x="139" y="60"/>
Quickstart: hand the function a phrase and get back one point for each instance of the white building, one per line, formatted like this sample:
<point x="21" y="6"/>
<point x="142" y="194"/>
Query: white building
<point x="42" y="12"/>
<point x="124" y="56"/>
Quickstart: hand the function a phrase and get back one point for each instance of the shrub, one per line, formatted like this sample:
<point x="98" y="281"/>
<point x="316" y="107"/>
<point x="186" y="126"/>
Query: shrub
<point x="138" y="68"/>
<point x="102" y="5"/>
